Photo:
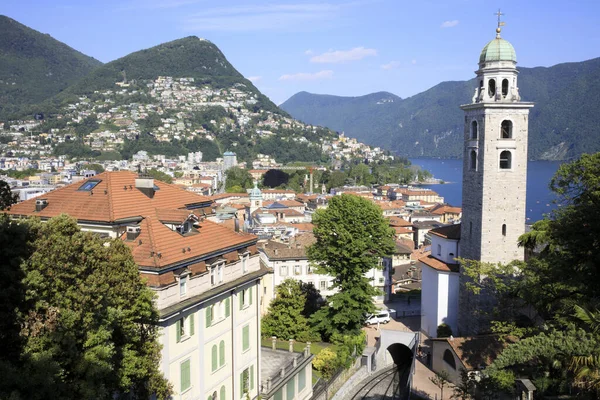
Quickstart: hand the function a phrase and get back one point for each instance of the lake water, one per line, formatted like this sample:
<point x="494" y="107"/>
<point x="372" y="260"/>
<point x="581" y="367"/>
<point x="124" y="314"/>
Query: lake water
<point x="539" y="197"/>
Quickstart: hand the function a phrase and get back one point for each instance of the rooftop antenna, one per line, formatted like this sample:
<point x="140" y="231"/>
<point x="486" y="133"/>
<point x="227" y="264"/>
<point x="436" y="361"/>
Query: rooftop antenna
<point x="500" y="23"/>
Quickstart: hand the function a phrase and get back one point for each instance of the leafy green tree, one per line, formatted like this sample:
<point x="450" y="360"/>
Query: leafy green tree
<point x="360" y="174"/>
<point x="88" y="323"/>
<point x="285" y="318"/>
<point x="336" y="179"/>
<point x="275" y="177"/>
<point x="7" y="197"/>
<point x="96" y="167"/>
<point x="238" y="177"/>
<point x="160" y="176"/>
<point x="444" y="330"/>
<point x="465" y="389"/>
<point x="351" y="236"/>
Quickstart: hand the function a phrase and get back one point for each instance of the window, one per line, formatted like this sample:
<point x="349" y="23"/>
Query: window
<point x="439" y="249"/>
<point x="245" y="297"/>
<point x="505" y="159"/>
<point x="297" y="270"/>
<point x="473" y="161"/>
<point x="503" y="229"/>
<point x="210" y="313"/>
<point x="89" y="185"/>
<point x="449" y="359"/>
<point x="504" y="88"/>
<point x="290" y="390"/>
<point x="309" y="270"/>
<point x="214" y="358"/>
<point x="220" y="273"/>
<point x="216" y="274"/>
<point x="474" y="130"/>
<point x="247" y="381"/>
<point x="492" y="87"/>
<point x="246" y="338"/>
<point x="213" y="276"/>
<point x="278" y="394"/>
<point x="221" y="353"/>
<point x="222" y="394"/>
<point x="244" y="264"/>
<point x="381" y="281"/>
<point x="183" y="285"/>
<point x="301" y="379"/>
<point x="184" y="328"/>
<point x="184" y="373"/>
<point x="323" y="285"/>
<point x="470" y="229"/>
<point x="506" y="129"/>
<point x="283" y="270"/>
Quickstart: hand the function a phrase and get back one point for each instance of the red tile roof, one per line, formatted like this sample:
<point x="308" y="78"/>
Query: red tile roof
<point x="451" y="232"/>
<point x="436" y="264"/>
<point x="114" y="198"/>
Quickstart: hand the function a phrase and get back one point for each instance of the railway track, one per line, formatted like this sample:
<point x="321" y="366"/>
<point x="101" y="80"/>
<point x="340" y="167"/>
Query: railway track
<point x="378" y="387"/>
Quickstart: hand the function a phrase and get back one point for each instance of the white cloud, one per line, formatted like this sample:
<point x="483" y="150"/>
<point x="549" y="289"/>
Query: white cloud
<point x="449" y="24"/>
<point x="337" y="56"/>
<point x="254" y="79"/>
<point x="307" y="76"/>
<point x="391" y="65"/>
<point x="263" y="17"/>
<point x="308" y="52"/>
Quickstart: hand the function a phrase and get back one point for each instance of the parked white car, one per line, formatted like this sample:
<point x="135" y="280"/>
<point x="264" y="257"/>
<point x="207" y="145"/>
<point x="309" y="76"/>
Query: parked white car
<point x="382" y="317"/>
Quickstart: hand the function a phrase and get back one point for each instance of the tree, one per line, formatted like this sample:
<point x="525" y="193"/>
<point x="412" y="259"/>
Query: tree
<point x="285" y="317"/>
<point x="351" y="237"/>
<point x="444" y="330"/>
<point x="360" y="174"/>
<point x="275" y="177"/>
<point x="96" y="167"/>
<point x="88" y="323"/>
<point x="465" y="389"/>
<point x="238" y="177"/>
<point x="441" y="379"/>
<point x="336" y="179"/>
<point x="7" y="197"/>
<point x="160" y="176"/>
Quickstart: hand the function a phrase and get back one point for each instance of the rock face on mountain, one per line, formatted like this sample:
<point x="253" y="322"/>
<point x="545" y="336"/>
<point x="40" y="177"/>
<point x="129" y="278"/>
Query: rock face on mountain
<point x="563" y="123"/>
<point x="34" y="66"/>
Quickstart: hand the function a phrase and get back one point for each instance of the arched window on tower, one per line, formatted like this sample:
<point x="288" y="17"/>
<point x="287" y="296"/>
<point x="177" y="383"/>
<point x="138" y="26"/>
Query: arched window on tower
<point x="492" y="87"/>
<point x="506" y="129"/>
<point x="474" y="130"/>
<point x="505" y="159"/>
<point x="473" y="161"/>
<point x="503" y="229"/>
<point x="504" y="88"/>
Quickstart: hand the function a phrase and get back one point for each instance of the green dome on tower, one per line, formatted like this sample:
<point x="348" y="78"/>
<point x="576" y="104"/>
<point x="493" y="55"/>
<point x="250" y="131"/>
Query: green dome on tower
<point x="498" y="50"/>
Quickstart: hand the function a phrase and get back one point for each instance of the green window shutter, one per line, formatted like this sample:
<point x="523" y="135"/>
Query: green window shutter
<point x="185" y="375"/>
<point x="222" y="353"/>
<point x="278" y="394"/>
<point x="252" y="377"/>
<point x="242" y="385"/>
<point x="209" y="398"/>
<point x="241" y="297"/>
<point x="191" y="318"/>
<point x="214" y="357"/>
<point x="250" y="295"/>
<point x="246" y="337"/>
<point x="227" y="308"/>
<point x="301" y="379"/>
<point x="222" y="394"/>
<point x="178" y="331"/>
<point x="208" y="316"/>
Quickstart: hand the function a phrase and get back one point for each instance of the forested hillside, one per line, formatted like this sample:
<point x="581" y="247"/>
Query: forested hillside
<point x="563" y="124"/>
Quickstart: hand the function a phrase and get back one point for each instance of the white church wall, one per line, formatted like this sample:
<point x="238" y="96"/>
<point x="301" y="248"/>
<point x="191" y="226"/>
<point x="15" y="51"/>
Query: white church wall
<point x="429" y="300"/>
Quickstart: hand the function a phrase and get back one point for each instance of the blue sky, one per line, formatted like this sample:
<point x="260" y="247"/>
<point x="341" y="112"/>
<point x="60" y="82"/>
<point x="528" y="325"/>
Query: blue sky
<point x="341" y="47"/>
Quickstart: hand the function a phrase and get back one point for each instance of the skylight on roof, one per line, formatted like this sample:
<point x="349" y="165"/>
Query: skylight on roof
<point x="89" y="185"/>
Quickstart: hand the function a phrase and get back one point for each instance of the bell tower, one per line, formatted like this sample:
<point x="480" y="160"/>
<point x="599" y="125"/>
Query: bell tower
<point x="494" y="164"/>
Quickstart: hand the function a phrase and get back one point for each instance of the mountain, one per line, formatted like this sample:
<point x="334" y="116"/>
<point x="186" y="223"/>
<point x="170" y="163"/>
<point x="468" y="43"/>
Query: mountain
<point x="34" y="66"/>
<point x="563" y="124"/>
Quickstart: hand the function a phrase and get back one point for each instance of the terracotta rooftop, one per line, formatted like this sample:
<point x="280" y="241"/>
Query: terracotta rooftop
<point x="158" y="246"/>
<point x="478" y="351"/>
<point x="397" y="221"/>
<point x="436" y="264"/>
<point x="448" y="232"/>
<point x="446" y="209"/>
<point x="295" y="249"/>
<point x="113" y="198"/>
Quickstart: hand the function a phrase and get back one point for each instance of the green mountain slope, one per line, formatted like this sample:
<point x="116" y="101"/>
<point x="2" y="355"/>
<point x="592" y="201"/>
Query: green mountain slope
<point x="34" y="66"/>
<point x="563" y="123"/>
<point x="190" y="57"/>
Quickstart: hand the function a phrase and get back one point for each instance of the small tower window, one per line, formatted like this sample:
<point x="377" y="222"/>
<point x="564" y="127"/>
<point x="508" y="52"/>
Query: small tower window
<point x="504" y="88"/>
<point x="470" y="229"/>
<point x="449" y="359"/>
<point x="503" y="229"/>
<point x="492" y="87"/>
<point x="505" y="159"/>
<point x="474" y="130"/>
<point x="506" y="129"/>
<point x="473" y="160"/>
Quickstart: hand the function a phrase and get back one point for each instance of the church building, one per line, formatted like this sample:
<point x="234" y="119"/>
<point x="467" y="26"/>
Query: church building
<point x="494" y="189"/>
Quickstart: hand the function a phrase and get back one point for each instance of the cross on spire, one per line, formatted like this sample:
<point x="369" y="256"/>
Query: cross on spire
<point x="500" y="23"/>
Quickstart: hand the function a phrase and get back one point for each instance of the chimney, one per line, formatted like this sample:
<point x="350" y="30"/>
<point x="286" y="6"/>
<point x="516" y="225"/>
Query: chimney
<point x="145" y="185"/>
<point x="40" y="204"/>
<point x="291" y="347"/>
<point x="236" y="224"/>
<point x="133" y="232"/>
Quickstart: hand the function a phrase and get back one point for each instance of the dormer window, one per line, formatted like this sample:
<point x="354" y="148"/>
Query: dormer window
<point x="183" y="285"/>
<point x="216" y="274"/>
<point x="89" y="185"/>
